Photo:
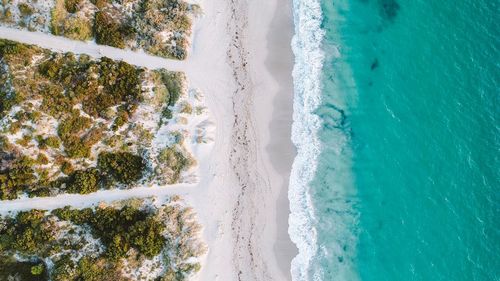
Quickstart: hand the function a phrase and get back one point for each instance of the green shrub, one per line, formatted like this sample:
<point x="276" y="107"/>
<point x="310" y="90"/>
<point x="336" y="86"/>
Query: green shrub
<point x="186" y="108"/>
<point x="174" y="160"/>
<point x="57" y="16"/>
<point x="25" y="9"/>
<point x="30" y="233"/>
<point x="8" y="97"/>
<point x="84" y="181"/>
<point x="72" y="6"/>
<point x="77" y="28"/>
<point x="37" y="269"/>
<point x="101" y="3"/>
<point x="7" y="101"/>
<point x="16" y="178"/>
<point x="24" y="141"/>
<point x="91" y="269"/>
<point x="42" y="159"/>
<point x="52" y="141"/>
<point x="69" y="130"/>
<point x="121" y="83"/>
<point x="7" y="15"/>
<point x="75" y="147"/>
<point x="67" y="168"/>
<point x="10" y="267"/>
<point x="81" y="216"/>
<point x="40" y="191"/>
<point x="166" y="113"/>
<point x="109" y="31"/>
<point x="146" y="237"/>
<point x="120" y="120"/>
<point x="38" y="235"/>
<point x="14" y="127"/>
<point x="34" y="116"/>
<point x="50" y="68"/>
<point x="55" y="102"/>
<point x="12" y="50"/>
<point x="120" y="229"/>
<point x="93" y="137"/>
<point x="64" y="269"/>
<point x="173" y="83"/>
<point x="123" y="167"/>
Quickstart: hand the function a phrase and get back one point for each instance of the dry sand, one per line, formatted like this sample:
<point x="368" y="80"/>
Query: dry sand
<point x="245" y="46"/>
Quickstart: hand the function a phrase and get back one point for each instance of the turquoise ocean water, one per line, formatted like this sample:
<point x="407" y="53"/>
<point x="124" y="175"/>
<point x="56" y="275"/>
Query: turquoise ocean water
<point x="397" y="124"/>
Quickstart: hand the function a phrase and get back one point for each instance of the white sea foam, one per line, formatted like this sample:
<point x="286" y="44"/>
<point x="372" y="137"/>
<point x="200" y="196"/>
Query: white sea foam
<point x="309" y="59"/>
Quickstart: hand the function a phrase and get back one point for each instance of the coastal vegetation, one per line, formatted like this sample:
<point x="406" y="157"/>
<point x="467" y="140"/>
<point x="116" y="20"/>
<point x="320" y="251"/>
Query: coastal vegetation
<point x="158" y="27"/>
<point x="75" y="124"/>
<point x="128" y="240"/>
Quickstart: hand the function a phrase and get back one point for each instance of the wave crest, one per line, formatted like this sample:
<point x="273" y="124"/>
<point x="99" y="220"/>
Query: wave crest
<point x="306" y="45"/>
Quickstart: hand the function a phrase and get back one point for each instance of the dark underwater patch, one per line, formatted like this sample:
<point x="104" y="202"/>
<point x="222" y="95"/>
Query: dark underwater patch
<point x="389" y="9"/>
<point x="333" y="117"/>
<point x="374" y="64"/>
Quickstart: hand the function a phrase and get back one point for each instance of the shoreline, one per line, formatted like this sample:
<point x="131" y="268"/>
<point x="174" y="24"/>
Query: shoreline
<point x="280" y="149"/>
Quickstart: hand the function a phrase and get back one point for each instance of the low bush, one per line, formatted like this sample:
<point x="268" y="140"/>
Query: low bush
<point x="42" y="159"/>
<point x="124" y="167"/>
<point x="55" y="102"/>
<point x="127" y="235"/>
<point x="109" y="31"/>
<point x="175" y="161"/>
<point x="25" y="9"/>
<point x="75" y="147"/>
<point x="84" y="181"/>
<point x="72" y="6"/>
<point x="30" y="233"/>
<point x="52" y="141"/>
<point x="121" y="83"/>
<point x="121" y="229"/>
<point x="173" y="83"/>
<point x="70" y="130"/>
<point x="77" y="28"/>
<point x="57" y="16"/>
<point x="24" y="141"/>
<point x="60" y="91"/>
<point x="16" y="178"/>
<point x="12" y="269"/>
<point x="120" y="120"/>
<point x="7" y="15"/>
<point x="67" y="168"/>
<point x="15" y="52"/>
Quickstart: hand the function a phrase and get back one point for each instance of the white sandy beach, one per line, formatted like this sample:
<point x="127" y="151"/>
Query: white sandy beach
<point x="246" y="47"/>
<point x="241" y="60"/>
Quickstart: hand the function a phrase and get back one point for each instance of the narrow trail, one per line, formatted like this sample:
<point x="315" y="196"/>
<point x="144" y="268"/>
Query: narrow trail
<point x="92" y="199"/>
<point x="62" y="44"/>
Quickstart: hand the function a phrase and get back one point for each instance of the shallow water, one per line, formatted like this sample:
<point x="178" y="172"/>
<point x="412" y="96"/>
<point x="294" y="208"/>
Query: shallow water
<point x="407" y="182"/>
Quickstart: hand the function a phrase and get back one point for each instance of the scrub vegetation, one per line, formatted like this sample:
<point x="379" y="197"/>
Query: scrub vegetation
<point x="74" y="124"/>
<point x="134" y="240"/>
<point x="159" y="27"/>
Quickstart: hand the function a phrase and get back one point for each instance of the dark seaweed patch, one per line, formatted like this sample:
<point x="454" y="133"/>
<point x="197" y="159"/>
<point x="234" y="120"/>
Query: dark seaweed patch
<point x="374" y="64"/>
<point x="333" y="117"/>
<point x="389" y="9"/>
